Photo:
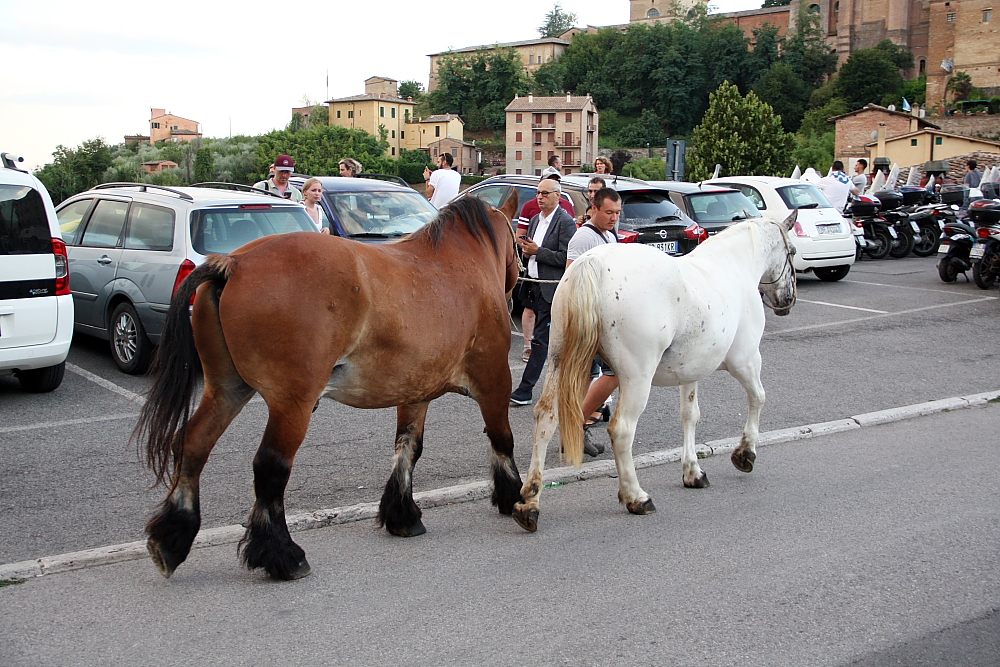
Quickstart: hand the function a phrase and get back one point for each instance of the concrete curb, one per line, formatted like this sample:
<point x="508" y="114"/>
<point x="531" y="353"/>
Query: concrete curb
<point x="463" y="493"/>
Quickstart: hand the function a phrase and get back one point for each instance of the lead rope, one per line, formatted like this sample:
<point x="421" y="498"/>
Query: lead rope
<point x="788" y="265"/>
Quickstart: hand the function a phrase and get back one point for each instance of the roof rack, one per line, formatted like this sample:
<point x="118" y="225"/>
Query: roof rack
<point x="10" y="161"/>
<point x="383" y="177"/>
<point x="142" y="188"/>
<point x="234" y="186"/>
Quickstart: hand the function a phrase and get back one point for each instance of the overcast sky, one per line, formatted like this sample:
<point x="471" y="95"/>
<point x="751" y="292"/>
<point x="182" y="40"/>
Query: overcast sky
<point x="73" y="70"/>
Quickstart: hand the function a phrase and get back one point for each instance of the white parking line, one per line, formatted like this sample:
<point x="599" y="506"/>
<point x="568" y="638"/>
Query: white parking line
<point x="877" y="317"/>
<point x="918" y="289"/>
<point x="68" y="422"/>
<point x="107" y="384"/>
<point x="838" y="305"/>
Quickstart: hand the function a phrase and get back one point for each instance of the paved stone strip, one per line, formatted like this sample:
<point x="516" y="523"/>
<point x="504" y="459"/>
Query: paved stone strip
<point x="478" y="490"/>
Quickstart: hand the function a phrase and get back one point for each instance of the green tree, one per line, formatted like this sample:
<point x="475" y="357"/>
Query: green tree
<point x="548" y="79"/>
<point x="766" y="50"/>
<point x="73" y="170"/>
<point x="647" y="130"/>
<point x="814" y="122"/>
<point x="203" y="165"/>
<point x="557" y="22"/>
<point x="478" y="86"/>
<point x="743" y="134"/>
<point x="786" y="92"/>
<point x="413" y="89"/>
<point x="318" y="150"/>
<point x="807" y="52"/>
<point x="960" y="85"/>
<point x="775" y="3"/>
<point x="814" y="151"/>
<point x="868" y="76"/>
<point x="900" y="57"/>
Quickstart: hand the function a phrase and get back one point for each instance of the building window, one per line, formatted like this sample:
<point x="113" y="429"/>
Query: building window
<point x="392" y="112"/>
<point x="950" y="18"/>
<point x="156" y="126"/>
<point x="338" y="113"/>
<point x="652" y="13"/>
<point x="913" y="142"/>
<point x="538" y="138"/>
<point x="538" y="155"/>
<point x="381" y="112"/>
<point x="174" y="127"/>
<point x="938" y="140"/>
<point x="987" y="15"/>
<point x="350" y="114"/>
<point x="518" y="137"/>
<point x="393" y="150"/>
<point x="518" y="117"/>
<point x="393" y="134"/>
<point x="531" y="60"/>
<point x="437" y="130"/>
<point x="552" y="137"/>
<point x="569" y="118"/>
<point x="518" y="155"/>
<point x="814" y="9"/>
<point x="517" y="171"/>
<point x="922" y="67"/>
<point x="402" y="134"/>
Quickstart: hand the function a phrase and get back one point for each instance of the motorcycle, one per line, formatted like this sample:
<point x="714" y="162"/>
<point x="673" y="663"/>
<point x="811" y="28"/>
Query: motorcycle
<point x="878" y="236"/>
<point x="960" y="237"/>
<point x="986" y="215"/>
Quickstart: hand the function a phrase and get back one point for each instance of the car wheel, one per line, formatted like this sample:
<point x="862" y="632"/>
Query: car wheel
<point x="830" y="274"/>
<point x="947" y="270"/>
<point x="41" y="380"/>
<point x="130" y="347"/>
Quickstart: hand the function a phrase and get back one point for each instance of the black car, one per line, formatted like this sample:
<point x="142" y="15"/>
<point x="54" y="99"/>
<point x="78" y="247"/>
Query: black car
<point x="711" y="206"/>
<point x="648" y="214"/>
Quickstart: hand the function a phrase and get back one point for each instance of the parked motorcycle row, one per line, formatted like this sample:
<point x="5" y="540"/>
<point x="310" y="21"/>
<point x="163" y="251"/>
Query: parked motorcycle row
<point x="961" y="225"/>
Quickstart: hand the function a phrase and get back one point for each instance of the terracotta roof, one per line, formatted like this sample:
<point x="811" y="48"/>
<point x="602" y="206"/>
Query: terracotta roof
<point x="184" y="132"/>
<point x="368" y="97"/>
<point x="526" y="42"/>
<point x="441" y="118"/>
<point x="536" y="103"/>
<point x="875" y="107"/>
<point x="938" y="133"/>
<point x="453" y="140"/>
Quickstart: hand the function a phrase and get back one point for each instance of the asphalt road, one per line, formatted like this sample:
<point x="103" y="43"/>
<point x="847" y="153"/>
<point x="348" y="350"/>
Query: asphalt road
<point x="890" y="334"/>
<point x="872" y="547"/>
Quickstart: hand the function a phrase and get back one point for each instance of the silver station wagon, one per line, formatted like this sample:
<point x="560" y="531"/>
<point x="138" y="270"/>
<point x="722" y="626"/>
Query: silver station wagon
<point x="131" y="245"/>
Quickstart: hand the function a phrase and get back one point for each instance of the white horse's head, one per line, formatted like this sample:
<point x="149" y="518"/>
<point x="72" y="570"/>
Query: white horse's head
<point x="777" y="282"/>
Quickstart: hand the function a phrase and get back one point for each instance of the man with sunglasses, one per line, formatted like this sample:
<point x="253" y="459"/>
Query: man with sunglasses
<point x="544" y="246"/>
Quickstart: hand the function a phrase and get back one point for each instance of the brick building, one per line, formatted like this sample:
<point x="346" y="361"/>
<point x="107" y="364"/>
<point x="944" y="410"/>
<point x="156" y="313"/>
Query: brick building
<point x="854" y="129"/>
<point x="533" y="53"/>
<point x="540" y="127"/>
<point x="165" y="126"/>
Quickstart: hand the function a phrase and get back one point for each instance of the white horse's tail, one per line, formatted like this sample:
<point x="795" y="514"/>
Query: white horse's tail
<point x="577" y="315"/>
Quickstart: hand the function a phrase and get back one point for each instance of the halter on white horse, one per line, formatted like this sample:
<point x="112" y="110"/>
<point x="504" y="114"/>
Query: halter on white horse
<point x="664" y="321"/>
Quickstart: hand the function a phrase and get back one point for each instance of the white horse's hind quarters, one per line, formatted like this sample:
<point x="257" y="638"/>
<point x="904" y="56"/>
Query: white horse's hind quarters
<point x="665" y="321"/>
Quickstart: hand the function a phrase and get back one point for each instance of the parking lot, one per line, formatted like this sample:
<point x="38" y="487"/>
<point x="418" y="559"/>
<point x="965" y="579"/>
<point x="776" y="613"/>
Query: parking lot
<point x="889" y="334"/>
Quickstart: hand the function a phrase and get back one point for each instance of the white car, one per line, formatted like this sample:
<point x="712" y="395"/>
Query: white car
<point x="823" y="238"/>
<point x="36" y="307"/>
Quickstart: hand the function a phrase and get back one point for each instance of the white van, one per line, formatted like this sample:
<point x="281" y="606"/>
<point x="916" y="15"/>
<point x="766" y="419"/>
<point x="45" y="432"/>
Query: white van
<point x="36" y="307"/>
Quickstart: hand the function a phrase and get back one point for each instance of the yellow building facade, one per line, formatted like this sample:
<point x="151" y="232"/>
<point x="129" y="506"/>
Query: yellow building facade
<point x="420" y="133"/>
<point x="165" y="126"/>
<point x="378" y="107"/>
<point x="925" y="145"/>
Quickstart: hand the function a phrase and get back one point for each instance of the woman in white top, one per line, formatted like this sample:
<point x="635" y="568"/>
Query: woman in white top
<point x="312" y="192"/>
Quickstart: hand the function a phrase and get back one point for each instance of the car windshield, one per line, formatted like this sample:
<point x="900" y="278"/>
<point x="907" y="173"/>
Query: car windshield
<point x="722" y="207"/>
<point x="380" y="213"/>
<point x="223" y="230"/>
<point x="803" y="195"/>
<point x="641" y="209"/>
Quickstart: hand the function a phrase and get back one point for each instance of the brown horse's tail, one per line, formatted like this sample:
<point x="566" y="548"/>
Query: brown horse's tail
<point x="175" y="371"/>
<point x="576" y="316"/>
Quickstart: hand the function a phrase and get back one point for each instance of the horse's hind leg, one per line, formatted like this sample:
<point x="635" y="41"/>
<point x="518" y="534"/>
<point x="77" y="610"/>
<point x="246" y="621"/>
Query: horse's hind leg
<point x="632" y="398"/>
<point x="397" y="510"/>
<point x="267" y="543"/>
<point x="693" y="476"/>
<point x="748" y="375"/>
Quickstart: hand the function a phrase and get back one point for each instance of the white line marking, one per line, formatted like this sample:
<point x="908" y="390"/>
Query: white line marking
<point x="877" y="317"/>
<point x="837" y="305"/>
<point x="68" y="422"/>
<point x="107" y="384"/>
<point x="918" y="289"/>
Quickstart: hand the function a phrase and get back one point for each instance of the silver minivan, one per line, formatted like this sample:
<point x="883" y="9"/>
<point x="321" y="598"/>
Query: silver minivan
<point x="131" y="245"/>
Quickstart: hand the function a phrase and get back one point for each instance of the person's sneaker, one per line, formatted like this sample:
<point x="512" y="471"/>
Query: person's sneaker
<point x="591" y="448"/>
<point x="520" y="400"/>
<point x="526" y="354"/>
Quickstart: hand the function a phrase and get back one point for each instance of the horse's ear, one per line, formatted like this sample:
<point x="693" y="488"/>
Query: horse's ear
<point x="509" y="207"/>
<point x="790" y="220"/>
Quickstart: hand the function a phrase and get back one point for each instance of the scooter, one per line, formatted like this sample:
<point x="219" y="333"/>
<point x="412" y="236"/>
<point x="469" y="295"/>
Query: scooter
<point x="877" y="235"/>
<point x="986" y="215"/>
<point x="960" y="236"/>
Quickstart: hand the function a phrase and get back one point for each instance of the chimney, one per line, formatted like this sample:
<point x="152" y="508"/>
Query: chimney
<point x="516" y="96"/>
<point x="409" y="98"/>
<point x="531" y="99"/>
<point x="568" y="97"/>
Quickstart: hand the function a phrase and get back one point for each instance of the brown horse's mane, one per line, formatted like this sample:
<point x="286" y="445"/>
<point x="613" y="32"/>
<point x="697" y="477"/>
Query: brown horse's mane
<point x="471" y="211"/>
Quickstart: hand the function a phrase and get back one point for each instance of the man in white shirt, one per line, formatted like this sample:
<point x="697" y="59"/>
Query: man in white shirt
<point x="443" y="182"/>
<point x="837" y="186"/>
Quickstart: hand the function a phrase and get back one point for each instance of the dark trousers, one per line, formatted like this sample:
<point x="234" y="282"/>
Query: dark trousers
<point x="539" y="341"/>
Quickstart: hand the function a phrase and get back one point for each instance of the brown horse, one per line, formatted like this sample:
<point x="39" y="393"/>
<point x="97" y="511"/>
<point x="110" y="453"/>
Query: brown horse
<point x="298" y="316"/>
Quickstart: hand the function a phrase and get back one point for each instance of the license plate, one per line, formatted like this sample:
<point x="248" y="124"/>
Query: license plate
<point x="828" y="229"/>
<point x="860" y="240"/>
<point x="892" y="232"/>
<point x="943" y="248"/>
<point x="669" y="246"/>
<point x="976" y="252"/>
<point x="915" y="226"/>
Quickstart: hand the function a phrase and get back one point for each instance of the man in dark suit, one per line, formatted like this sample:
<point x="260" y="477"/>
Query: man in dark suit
<point x="544" y="246"/>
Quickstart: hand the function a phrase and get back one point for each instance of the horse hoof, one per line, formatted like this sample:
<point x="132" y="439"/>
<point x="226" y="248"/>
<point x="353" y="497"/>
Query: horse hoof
<point x="159" y="560"/>
<point x="527" y="519"/>
<point x="743" y="460"/>
<point x="408" y="531"/>
<point x="698" y="483"/>
<point x="301" y="569"/>
<point x="645" y="507"/>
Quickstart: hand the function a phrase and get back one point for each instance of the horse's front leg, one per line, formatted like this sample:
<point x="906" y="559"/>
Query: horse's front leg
<point x="174" y="526"/>
<point x="267" y="543"/>
<point x="632" y="398"/>
<point x="526" y="511"/>
<point x="397" y="511"/>
<point x="748" y="375"/>
<point x="493" y="398"/>
<point x="694" y="477"/>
